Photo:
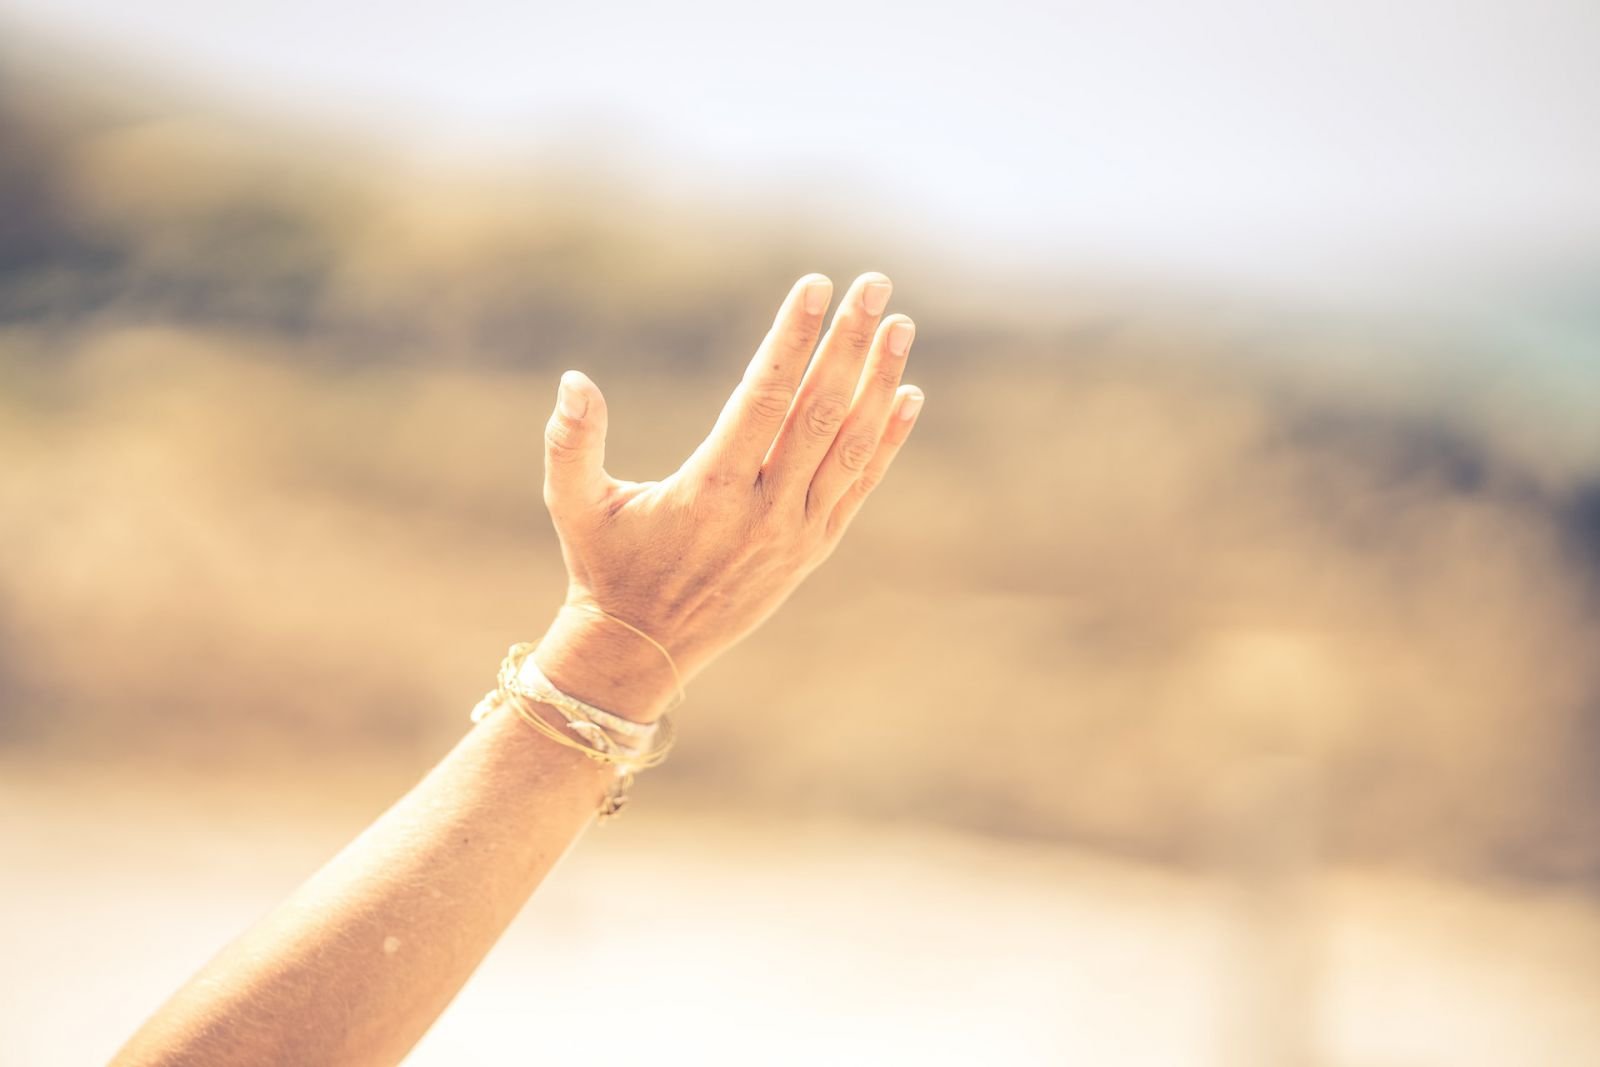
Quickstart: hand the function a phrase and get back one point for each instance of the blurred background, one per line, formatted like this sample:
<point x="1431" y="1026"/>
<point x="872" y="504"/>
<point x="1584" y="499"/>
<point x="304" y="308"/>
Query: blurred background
<point x="1216" y="680"/>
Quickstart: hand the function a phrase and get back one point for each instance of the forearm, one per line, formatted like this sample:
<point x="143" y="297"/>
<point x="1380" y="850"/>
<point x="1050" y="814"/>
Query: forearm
<point x="358" y="963"/>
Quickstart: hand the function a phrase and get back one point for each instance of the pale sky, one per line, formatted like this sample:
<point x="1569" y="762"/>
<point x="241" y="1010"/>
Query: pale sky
<point x="1336" y="144"/>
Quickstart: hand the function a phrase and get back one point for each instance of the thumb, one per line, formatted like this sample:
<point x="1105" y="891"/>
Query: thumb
<point x="575" y="447"/>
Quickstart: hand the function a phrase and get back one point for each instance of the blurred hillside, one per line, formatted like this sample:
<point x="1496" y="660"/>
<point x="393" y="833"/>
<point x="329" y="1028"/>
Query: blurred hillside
<point x="270" y="420"/>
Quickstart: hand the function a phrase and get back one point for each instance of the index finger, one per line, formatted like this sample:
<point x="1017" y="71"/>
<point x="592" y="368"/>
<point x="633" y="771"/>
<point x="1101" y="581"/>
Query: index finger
<point x="751" y="418"/>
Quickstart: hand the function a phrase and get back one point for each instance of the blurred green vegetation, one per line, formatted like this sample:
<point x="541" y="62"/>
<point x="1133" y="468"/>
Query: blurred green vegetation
<point x="269" y="415"/>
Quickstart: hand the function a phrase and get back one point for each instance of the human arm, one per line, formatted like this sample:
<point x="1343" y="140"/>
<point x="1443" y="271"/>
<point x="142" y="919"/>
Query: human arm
<point x="358" y="963"/>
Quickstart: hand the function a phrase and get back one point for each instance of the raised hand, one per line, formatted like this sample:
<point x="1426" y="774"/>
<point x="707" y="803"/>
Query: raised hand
<point x="355" y="966"/>
<point x="703" y="556"/>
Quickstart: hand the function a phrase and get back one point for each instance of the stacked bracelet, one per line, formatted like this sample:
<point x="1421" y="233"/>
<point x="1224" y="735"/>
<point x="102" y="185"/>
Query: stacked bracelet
<point x="625" y="744"/>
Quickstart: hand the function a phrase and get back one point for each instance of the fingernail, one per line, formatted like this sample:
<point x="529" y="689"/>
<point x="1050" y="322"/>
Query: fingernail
<point x="572" y="403"/>
<point x="817" y="293"/>
<point x="910" y="406"/>
<point x="900" y="335"/>
<point x="875" y="297"/>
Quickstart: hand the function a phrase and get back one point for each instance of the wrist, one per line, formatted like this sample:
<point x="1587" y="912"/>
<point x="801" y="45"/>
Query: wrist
<point x="604" y="664"/>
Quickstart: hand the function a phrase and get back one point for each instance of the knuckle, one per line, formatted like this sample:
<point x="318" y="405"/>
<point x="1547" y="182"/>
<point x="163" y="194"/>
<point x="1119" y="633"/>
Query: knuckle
<point x="856" y="449"/>
<point x="797" y="340"/>
<point x="768" y="402"/>
<point x="857" y="333"/>
<point x="824" y="415"/>
<point x="562" y="443"/>
<point x="886" y="377"/>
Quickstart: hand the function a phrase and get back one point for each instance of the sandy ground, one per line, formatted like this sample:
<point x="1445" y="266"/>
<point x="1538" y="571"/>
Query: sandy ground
<point x="733" y="940"/>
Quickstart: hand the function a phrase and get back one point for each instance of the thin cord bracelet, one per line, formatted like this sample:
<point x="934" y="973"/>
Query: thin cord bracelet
<point x="677" y="678"/>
